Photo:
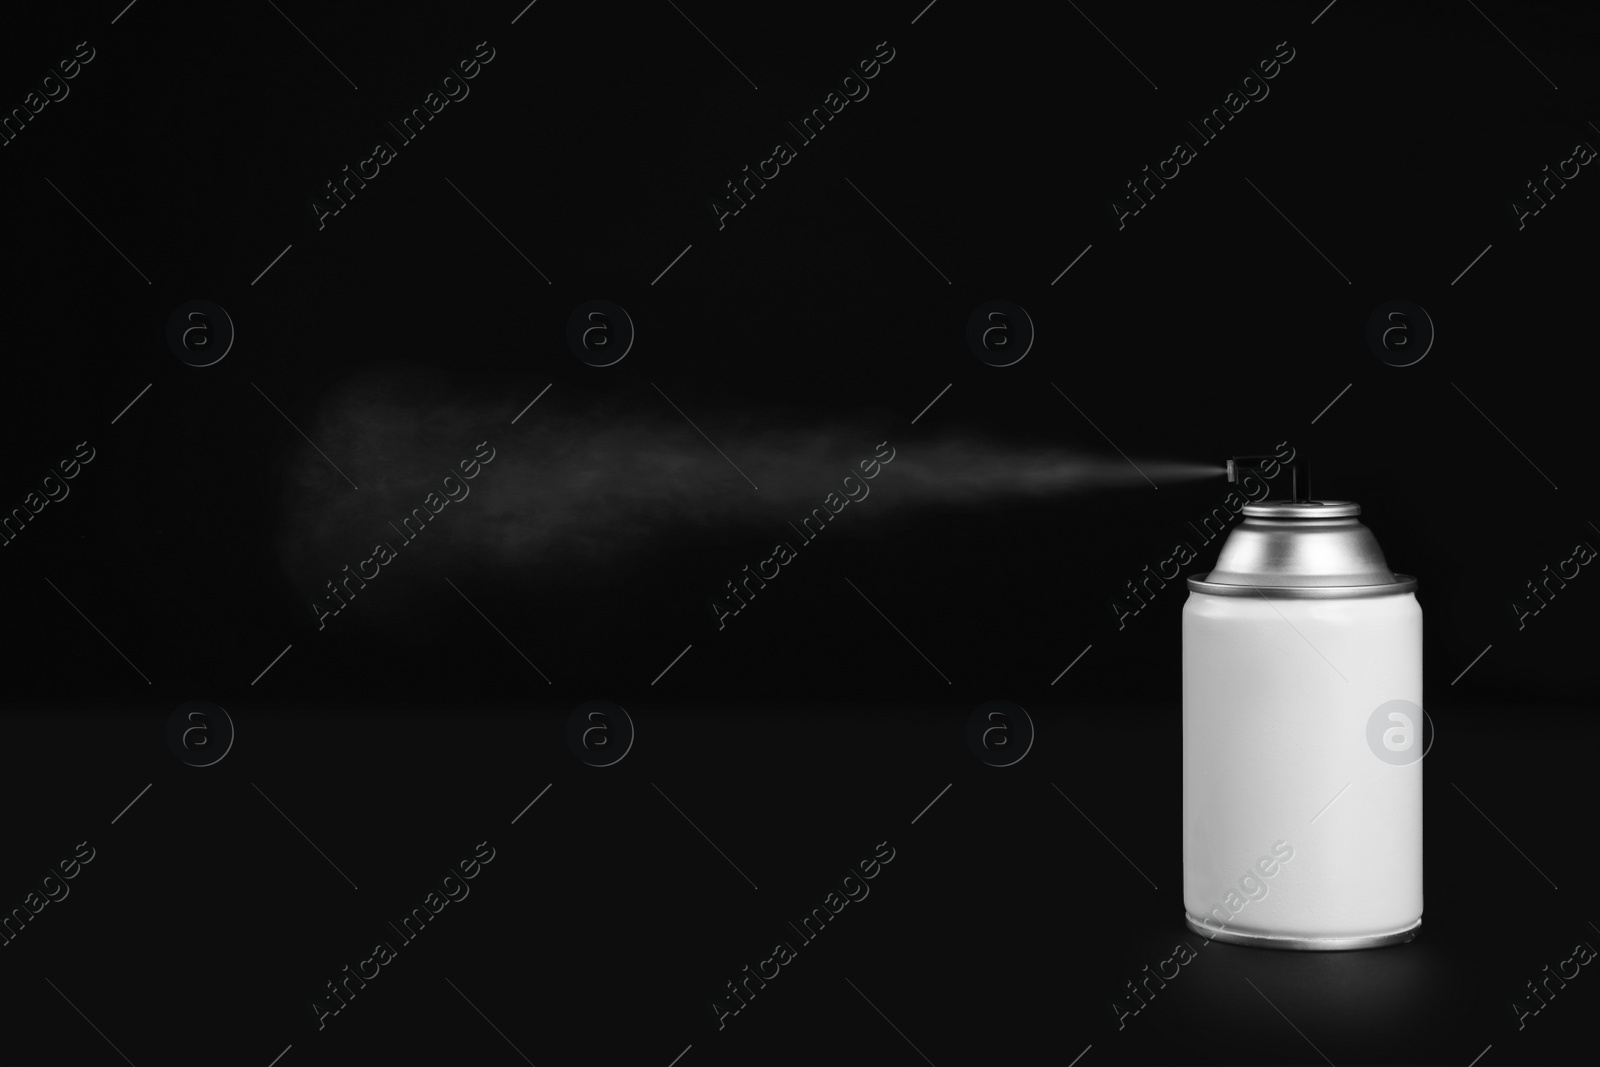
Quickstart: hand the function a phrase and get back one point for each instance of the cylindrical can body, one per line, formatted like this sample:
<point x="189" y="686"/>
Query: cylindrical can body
<point x="1300" y="830"/>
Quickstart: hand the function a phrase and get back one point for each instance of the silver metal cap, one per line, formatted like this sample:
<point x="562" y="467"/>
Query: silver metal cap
<point x="1305" y="548"/>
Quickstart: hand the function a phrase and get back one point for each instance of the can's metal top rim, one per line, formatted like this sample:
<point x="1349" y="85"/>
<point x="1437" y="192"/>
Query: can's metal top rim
<point x="1403" y="583"/>
<point x="1303" y="509"/>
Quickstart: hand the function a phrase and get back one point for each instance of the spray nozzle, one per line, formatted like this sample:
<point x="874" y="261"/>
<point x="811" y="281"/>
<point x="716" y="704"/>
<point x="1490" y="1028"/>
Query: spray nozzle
<point x="1269" y="467"/>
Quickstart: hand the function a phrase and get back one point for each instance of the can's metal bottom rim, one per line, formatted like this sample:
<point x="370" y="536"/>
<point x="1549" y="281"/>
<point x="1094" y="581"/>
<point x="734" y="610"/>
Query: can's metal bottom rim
<point x="1305" y="944"/>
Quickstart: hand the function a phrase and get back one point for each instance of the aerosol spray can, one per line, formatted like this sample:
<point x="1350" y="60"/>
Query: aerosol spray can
<point x="1302" y="735"/>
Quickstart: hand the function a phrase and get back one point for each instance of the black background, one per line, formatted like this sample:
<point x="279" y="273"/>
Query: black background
<point x="808" y="730"/>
